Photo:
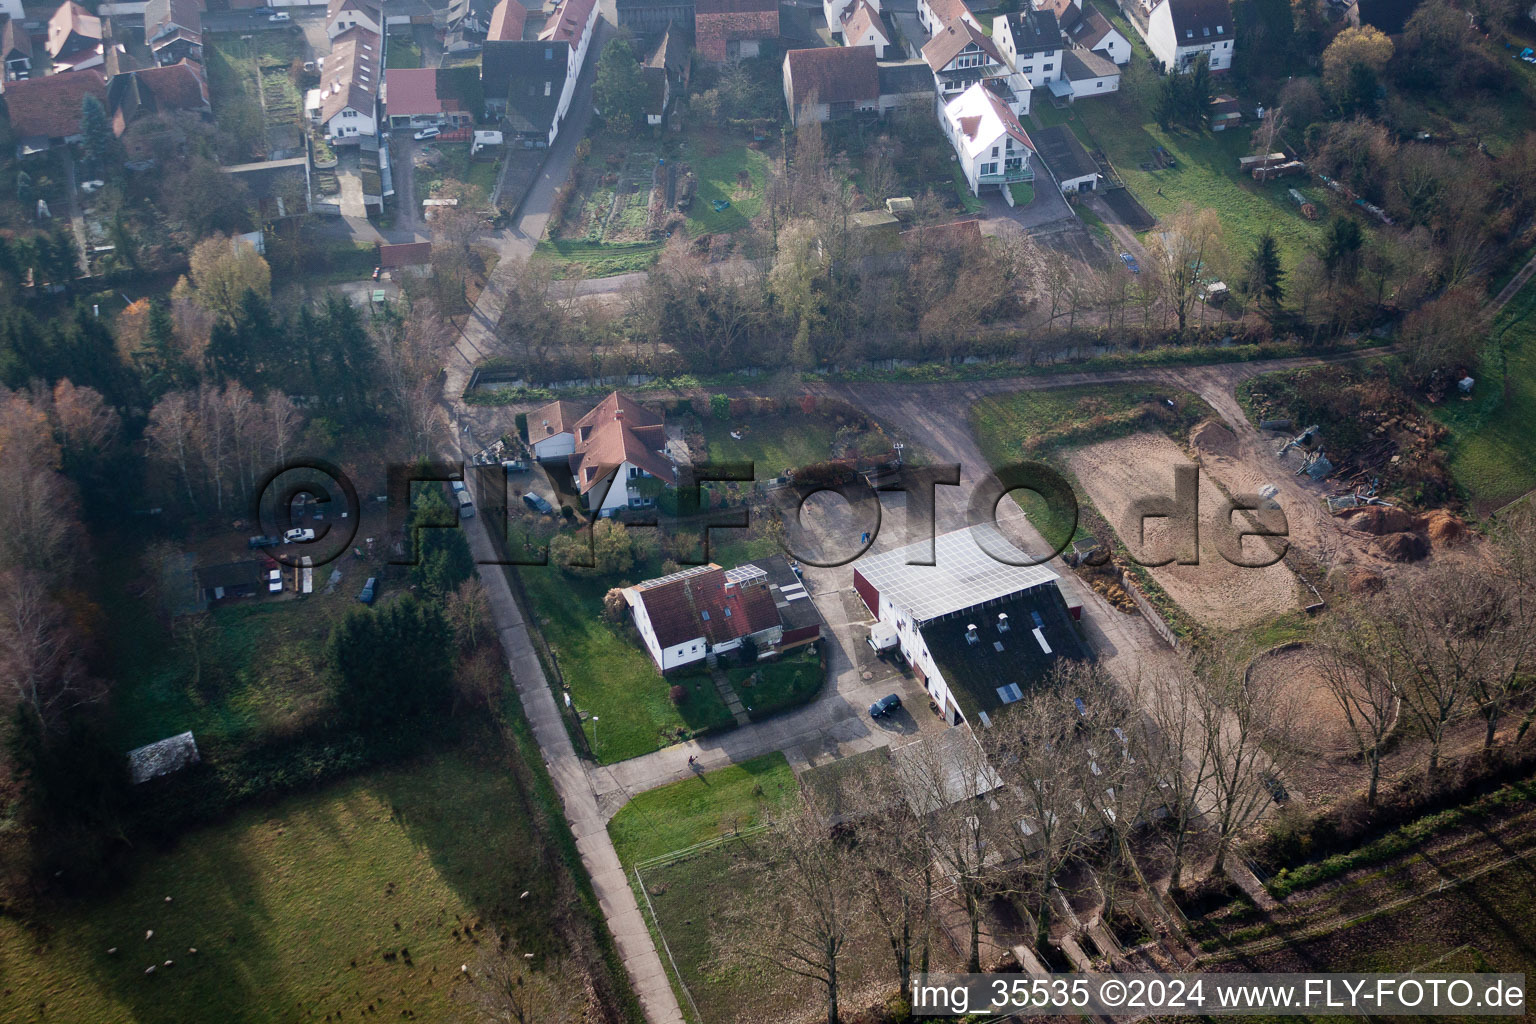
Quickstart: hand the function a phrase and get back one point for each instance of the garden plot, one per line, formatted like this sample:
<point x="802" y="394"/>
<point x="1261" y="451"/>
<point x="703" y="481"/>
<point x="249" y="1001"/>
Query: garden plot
<point x="1115" y="474"/>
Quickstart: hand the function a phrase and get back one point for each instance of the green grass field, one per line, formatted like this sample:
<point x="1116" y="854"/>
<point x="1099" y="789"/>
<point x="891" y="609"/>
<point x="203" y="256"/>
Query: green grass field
<point x="292" y="908"/>
<point x="718" y="169"/>
<point x="597" y="259"/>
<point x="771" y="443"/>
<point x="770" y="687"/>
<point x="613" y="682"/>
<point x="683" y="813"/>
<point x="402" y="52"/>
<point x="1493" y="436"/>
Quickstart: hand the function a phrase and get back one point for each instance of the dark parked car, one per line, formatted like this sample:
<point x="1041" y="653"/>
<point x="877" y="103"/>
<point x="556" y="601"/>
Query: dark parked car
<point x="884" y="706"/>
<point x="367" y="593"/>
<point x="1276" y="789"/>
<point x="538" y="504"/>
<point x="263" y="542"/>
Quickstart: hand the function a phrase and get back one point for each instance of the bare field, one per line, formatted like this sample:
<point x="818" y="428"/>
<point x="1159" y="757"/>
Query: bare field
<point x="1116" y="474"/>
<point x="1294" y="671"/>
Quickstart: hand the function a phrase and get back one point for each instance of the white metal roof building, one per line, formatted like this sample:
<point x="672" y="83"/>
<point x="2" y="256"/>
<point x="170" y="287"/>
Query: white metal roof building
<point x="918" y="607"/>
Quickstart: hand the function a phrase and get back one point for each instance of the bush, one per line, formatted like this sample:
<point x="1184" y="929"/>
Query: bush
<point x="678" y="693"/>
<point x="521" y="419"/>
<point x="720" y="407"/>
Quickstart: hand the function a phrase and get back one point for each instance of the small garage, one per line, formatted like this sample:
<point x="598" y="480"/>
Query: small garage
<point x="1070" y="165"/>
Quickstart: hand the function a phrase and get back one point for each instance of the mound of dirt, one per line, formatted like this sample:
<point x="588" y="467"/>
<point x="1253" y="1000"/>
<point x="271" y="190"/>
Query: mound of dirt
<point x="1363" y="581"/>
<point x="1377" y="520"/>
<point x="1403" y="547"/>
<point x="1214" y="438"/>
<point x="1443" y="528"/>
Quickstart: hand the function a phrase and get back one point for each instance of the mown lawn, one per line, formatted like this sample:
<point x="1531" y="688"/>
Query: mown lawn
<point x="597" y="259"/>
<point x="626" y="704"/>
<point x="718" y="169"/>
<point x="401" y="52"/>
<point x="1493" y="436"/>
<point x="771" y="443"/>
<point x="683" y="813"/>
<point x="770" y="687"/>
<point x="292" y="908"/>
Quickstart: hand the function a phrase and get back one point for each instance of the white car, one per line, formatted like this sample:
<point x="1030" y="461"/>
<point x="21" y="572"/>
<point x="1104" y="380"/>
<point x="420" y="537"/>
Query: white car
<point x="428" y="133"/>
<point x="297" y="536"/>
<point x="280" y="16"/>
<point x="274" y="581"/>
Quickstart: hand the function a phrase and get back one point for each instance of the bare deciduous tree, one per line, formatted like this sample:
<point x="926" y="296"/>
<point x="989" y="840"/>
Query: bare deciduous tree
<point x="1362" y="686"/>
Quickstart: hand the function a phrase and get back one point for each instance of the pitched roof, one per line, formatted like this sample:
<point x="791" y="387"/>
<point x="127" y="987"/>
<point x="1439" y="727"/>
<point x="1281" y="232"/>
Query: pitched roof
<point x="162" y="758"/>
<point x="517" y="72"/>
<point x="1079" y="63"/>
<point x="708" y="602"/>
<point x="507" y="20"/>
<point x="15" y="39"/>
<point x="1390" y="16"/>
<point x="404" y="254"/>
<point x="411" y="91"/>
<point x="351" y="77"/>
<point x="719" y="22"/>
<point x="835" y="74"/>
<point x="163" y="17"/>
<point x="948" y="10"/>
<point x="1092" y="29"/>
<point x="905" y="79"/>
<point x="954" y="235"/>
<point x="368" y="7"/>
<point x="157" y="90"/>
<point x="71" y="19"/>
<point x="982" y="118"/>
<point x="619" y="430"/>
<point x="1034" y="30"/>
<point x="947" y="44"/>
<point x="671" y="51"/>
<point x="860" y="18"/>
<point x="557" y="417"/>
<point x="654" y="81"/>
<point x="50" y="107"/>
<point x="1196" y="22"/>
<point x="1063" y="154"/>
<point x="568" y="22"/>
<point x="958" y="573"/>
<point x="1068" y="14"/>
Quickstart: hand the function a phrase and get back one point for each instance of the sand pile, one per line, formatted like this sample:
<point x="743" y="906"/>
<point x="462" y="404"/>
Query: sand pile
<point x="1377" y="520"/>
<point x="1403" y="547"/>
<point x="1363" y="581"/>
<point x="1214" y="438"/>
<point x="1443" y="528"/>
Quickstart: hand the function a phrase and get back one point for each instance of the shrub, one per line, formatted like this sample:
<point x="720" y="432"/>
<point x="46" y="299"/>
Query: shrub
<point x="679" y="693"/>
<point x="719" y="407"/>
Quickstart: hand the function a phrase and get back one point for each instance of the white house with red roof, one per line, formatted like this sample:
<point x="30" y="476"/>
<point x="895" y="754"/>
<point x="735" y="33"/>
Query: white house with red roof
<point x="616" y="447"/>
<point x="991" y="144"/>
<point x="961" y="54"/>
<point x="344" y="15"/>
<point x="411" y="100"/>
<point x="704" y="611"/>
<point x="349" y="85"/>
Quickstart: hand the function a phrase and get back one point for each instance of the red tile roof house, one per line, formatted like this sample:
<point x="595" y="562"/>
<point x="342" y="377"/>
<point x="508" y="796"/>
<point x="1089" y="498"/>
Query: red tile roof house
<point x="45" y="112"/>
<point x="411" y="100"/>
<point x="507" y="21"/>
<point x="727" y="30"/>
<point x="702" y="612"/>
<point x="74" y="37"/>
<point x="831" y="81"/>
<point x="551" y="431"/>
<point x="617" y="445"/>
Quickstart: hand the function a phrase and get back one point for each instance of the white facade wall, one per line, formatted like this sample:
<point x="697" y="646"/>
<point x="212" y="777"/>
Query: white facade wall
<point x="672" y="657"/>
<point x="554" y="446"/>
<point x="352" y="19"/>
<point x="350" y="124"/>
<point x="915" y="651"/>
<point x="1083" y="87"/>
<point x="1175" y="53"/>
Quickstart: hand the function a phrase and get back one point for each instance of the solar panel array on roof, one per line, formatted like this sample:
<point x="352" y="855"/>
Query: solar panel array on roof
<point x="681" y="574"/>
<point x="964" y="573"/>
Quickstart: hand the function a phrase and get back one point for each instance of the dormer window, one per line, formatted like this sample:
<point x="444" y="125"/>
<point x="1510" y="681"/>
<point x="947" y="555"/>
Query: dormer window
<point x="1207" y="30"/>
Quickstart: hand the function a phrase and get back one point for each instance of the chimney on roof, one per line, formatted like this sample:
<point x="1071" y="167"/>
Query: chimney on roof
<point x="1002" y="622"/>
<point x="971" y="636"/>
<point x="618" y="414"/>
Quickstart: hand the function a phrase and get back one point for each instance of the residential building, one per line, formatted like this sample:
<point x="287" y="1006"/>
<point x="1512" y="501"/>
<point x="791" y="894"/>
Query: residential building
<point x="619" y="445"/>
<point x="405" y="254"/>
<point x="1065" y="159"/>
<point x="959" y="55"/>
<point x="345" y="15"/>
<point x="670" y="54"/>
<point x="147" y="92"/>
<point x="522" y="83"/>
<point x="1090" y="72"/>
<point x="411" y="101"/>
<point x="74" y="38"/>
<point x="16" y="44"/>
<point x="1178" y="31"/>
<point x="174" y="30"/>
<point x="45" y="112"/>
<point x="993" y="148"/>
<point x="732" y="29"/>
<point x="1032" y="42"/>
<point x="1085" y="27"/>
<point x="657" y="88"/>
<point x="699" y="613"/>
<point x="1389" y="16"/>
<point x="551" y="431"/>
<point x="648" y="17"/>
<point x="12" y="9"/>
<point x="508" y="19"/>
<point x="933" y="15"/>
<point x="862" y="25"/>
<point x="831" y="82"/>
<point x="349" y="86"/>
<point x="977" y="631"/>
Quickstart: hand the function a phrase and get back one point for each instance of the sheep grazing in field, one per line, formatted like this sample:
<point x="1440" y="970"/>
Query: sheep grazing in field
<point x="149" y="935"/>
<point x="527" y="956"/>
<point x="170" y="963"/>
<point x="191" y="949"/>
<point x="112" y="951"/>
<point x="167" y="899"/>
<point x="524" y="895"/>
<point x="150" y="969"/>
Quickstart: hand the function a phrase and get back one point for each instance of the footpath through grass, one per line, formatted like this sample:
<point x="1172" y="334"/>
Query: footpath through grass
<point x="1493" y="435"/>
<point x="305" y="909"/>
<point x="684" y="813"/>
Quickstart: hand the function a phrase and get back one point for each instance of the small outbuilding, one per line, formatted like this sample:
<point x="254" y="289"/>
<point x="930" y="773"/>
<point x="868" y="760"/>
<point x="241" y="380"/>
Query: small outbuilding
<point x="164" y="757"/>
